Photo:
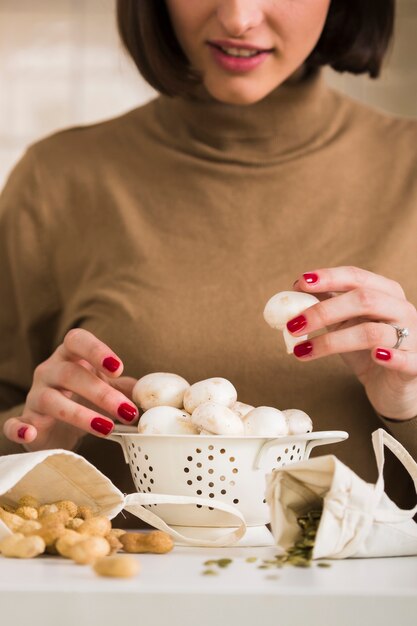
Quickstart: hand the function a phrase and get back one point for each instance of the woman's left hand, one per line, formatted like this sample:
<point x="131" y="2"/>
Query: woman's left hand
<point x="356" y="303"/>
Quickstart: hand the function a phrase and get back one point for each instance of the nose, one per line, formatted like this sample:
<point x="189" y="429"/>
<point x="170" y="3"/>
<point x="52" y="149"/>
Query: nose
<point x="239" y="16"/>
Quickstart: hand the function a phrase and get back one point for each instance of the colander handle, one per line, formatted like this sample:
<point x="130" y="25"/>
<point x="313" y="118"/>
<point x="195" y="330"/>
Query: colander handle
<point x="134" y="503"/>
<point x="313" y="439"/>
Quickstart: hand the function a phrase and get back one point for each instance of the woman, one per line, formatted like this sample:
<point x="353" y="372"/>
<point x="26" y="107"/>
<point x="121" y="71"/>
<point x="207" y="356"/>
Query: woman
<point x="153" y="241"/>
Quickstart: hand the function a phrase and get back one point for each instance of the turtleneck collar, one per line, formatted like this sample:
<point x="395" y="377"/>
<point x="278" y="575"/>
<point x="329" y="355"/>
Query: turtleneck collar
<point x="295" y="117"/>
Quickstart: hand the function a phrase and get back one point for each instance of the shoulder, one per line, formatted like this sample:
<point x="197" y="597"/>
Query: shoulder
<point x="103" y="142"/>
<point x="377" y="126"/>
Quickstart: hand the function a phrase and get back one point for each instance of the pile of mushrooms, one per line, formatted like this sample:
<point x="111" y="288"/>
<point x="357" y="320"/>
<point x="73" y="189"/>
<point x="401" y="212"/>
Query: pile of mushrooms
<point x="209" y="407"/>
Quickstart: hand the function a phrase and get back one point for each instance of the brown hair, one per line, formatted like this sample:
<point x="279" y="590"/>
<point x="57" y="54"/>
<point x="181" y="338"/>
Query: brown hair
<point x="355" y="39"/>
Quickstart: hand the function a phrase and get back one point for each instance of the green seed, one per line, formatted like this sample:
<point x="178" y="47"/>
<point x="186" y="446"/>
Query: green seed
<point x="210" y="572"/>
<point x="324" y="564"/>
<point x="251" y="559"/>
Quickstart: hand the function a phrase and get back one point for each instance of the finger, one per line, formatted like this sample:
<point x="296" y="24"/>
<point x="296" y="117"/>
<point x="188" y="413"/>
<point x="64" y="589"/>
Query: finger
<point x="124" y="384"/>
<point x="73" y="377"/>
<point x="360" y="302"/>
<point x="19" y="432"/>
<point x="346" y="278"/>
<point x="404" y="363"/>
<point x="81" y="344"/>
<point x="360" y="337"/>
<point x="51" y="402"/>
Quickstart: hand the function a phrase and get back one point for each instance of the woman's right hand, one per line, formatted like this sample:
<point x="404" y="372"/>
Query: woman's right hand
<point x="73" y="392"/>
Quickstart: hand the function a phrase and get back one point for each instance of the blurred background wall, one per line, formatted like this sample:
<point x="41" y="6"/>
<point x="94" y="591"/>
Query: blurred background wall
<point x="61" y="64"/>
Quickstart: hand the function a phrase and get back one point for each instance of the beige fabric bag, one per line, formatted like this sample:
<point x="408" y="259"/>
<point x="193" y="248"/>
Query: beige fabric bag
<point x="358" y="518"/>
<point x="52" y="475"/>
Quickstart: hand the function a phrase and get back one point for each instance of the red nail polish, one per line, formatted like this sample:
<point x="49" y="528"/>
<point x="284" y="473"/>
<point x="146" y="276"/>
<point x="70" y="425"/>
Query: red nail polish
<point x="303" y="349"/>
<point x="22" y="432"/>
<point x="382" y="354"/>
<point x="111" y="364"/>
<point x="127" y="411"/>
<point x="311" y="278"/>
<point x="101" y="425"/>
<point x="297" y="324"/>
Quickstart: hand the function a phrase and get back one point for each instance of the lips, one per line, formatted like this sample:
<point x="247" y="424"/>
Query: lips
<point x="229" y="44"/>
<point x="236" y="56"/>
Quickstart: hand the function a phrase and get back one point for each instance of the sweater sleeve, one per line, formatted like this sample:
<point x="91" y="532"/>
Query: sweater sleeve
<point x="28" y="307"/>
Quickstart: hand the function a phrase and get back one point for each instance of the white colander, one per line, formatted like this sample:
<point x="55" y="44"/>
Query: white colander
<point x="209" y="491"/>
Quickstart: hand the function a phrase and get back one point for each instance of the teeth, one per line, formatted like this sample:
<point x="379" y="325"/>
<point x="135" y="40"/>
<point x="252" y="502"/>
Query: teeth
<point x="240" y="52"/>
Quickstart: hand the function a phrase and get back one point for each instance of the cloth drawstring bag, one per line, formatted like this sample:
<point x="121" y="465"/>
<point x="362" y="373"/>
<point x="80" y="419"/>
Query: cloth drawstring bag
<point x="358" y="518"/>
<point x="52" y="475"/>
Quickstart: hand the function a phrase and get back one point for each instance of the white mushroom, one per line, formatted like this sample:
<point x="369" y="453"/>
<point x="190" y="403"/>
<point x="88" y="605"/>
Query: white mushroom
<point x="217" y="419"/>
<point x="298" y="422"/>
<point x="217" y="390"/>
<point x="265" y="421"/>
<point x="166" y="420"/>
<point x="241" y="409"/>
<point x="283" y="307"/>
<point x="160" y="389"/>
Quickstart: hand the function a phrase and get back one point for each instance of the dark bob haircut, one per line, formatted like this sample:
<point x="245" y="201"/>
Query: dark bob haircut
<point x="355" y="39"/>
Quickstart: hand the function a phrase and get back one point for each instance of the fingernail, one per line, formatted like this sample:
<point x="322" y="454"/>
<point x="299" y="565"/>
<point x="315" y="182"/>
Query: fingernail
<point x="127" y="411"/>
<point x="297" y="324"/>
<point x="303" y="349"/>
<point x="101" y="425"/>
<point x="111" y="364"/>
<point x="311" y="278"/>
<point x="22" y="432"/>
<point x="382" y="354"/>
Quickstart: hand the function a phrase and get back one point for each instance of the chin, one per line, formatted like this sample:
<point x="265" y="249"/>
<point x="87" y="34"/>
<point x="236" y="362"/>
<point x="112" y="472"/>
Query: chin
<point x="240" y="92"/>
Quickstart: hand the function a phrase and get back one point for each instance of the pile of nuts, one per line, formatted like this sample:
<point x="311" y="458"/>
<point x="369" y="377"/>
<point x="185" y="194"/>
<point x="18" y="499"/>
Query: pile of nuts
<point x="62" y="528"/>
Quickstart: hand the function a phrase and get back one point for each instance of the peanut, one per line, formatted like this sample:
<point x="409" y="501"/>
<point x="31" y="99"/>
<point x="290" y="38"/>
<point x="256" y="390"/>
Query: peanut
<point x="28" y="501"/>
<point x="61" y="517"/>
<point x="114" y="543"/>
<point x="27" y="512"/>
<point x="156" y="542"/>
<point x="117" y="532"/>
<point x="46" y="509"/>
<point x="84" y="512"/>
<point x="97" y="526"/>
<point x="67" y="505"/>
<point x="21" y="547"/>
<point x="29" y="527"/>
<point x="75" y="523"/>
<point x="90" y="549"/>
<point x="117" y="566"/>
<point x="12" y="521"/>
<point x="66" y="542"/>
<point x="50" y="532"/>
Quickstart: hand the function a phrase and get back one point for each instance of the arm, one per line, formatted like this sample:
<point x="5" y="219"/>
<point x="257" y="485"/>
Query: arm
<point x="47" y="383"/>
<point x="28" y="303"/>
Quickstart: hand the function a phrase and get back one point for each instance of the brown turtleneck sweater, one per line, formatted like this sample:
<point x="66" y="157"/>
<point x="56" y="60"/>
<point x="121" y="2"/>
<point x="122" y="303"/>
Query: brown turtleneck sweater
<point x="166" y="230"/>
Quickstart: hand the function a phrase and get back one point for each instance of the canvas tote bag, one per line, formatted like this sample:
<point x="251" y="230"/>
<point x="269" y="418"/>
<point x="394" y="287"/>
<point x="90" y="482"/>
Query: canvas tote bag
<point x="358" y="519"/>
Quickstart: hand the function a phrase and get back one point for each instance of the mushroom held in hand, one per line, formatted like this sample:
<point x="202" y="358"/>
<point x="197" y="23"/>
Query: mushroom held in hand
<point x="160" y="389"/>
<point x="298" y="422"/>
<point x="166" y="420"/>
<point x="218" y="390"/>
<point x="265" y="421"/>
<point x="216" y="419"/>
<point x="283" y="307"/>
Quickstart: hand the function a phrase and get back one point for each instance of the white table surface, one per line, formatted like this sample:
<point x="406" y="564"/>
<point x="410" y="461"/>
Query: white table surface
<point x="171" y="590"/>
